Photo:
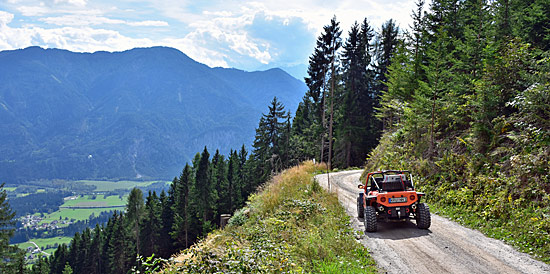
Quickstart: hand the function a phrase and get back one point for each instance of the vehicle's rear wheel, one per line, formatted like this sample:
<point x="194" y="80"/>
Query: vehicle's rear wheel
<point x="370" y="219"/>
<point x="423" y="218"/>
<point x="360" y="209"/>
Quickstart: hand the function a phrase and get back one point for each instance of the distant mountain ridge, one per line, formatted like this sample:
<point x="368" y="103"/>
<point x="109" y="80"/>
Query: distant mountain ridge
<point x="138" y="113"/>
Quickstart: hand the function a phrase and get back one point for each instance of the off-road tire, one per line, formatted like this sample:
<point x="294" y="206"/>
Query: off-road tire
<point x="370" y="219"/>
<point x="423" y="218"/>
<point x="360" y="209"/>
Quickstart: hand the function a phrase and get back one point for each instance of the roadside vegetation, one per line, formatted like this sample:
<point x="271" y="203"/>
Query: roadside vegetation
<point x="290" y="226"/>
<point x="467" y="110"/>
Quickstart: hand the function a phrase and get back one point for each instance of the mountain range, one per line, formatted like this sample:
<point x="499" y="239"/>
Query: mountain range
<point x="141" y="113"/>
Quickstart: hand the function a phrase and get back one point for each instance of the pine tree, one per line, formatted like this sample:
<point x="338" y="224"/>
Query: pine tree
<point x="232" y="180"/>
<point x="82" y="260"/>
<point x="321" y="81"/>
<point x="356" y="131"/>
<point x="151" y="226"/>
<point x="41" y="266"/>
<point x="531" y="22"/>
<point x="73" y="251"/>
<point x="167" y="216"/>
<point x="303" y="139"/>
<point x="10" y="256"/>
<point x="120" y="250"/>
<point x="386" y="47"/>
<point x="59" y="259"/>
<point x="244" y="181"/>
<point x="204" y="192"/>
<point x="219" y="179"/>
<point x="334" y="45"/>
<point x="182" y="214"/>
<point x="134" y="215"/>
<point x="94" y="260"/>
<point x="268" y="144"/>
<point x="387" y="42"/>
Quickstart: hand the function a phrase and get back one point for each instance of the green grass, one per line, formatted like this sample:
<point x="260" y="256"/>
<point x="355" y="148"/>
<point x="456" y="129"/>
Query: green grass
<point x="99" y="201"/>
<point x="77" y="214"/>
<point x="291" y="226"/>
<point x="96" y="207"/>
<point x="104" y="186"/>
<point x="43" y="242"/>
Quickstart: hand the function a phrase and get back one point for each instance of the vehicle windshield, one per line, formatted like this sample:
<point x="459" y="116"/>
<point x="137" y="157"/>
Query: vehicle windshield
<point x="391" y="181"/>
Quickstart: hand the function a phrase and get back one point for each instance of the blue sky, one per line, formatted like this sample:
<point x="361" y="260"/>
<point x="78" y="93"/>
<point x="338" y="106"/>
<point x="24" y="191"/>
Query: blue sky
<point x="248" y="35"/>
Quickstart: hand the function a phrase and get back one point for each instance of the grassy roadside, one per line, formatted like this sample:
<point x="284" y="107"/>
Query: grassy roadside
<point x="501" y="198"/>
<point x="290" y="226"/>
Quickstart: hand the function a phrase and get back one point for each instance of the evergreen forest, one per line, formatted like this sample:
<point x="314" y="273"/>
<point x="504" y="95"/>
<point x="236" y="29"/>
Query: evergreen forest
<point x="461" y="97"/>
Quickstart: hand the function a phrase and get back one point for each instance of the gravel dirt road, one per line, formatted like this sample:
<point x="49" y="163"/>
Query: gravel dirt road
<point x="446" y="247"/>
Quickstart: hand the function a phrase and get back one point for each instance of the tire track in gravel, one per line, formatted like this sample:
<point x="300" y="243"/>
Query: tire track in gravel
<point x="446" y="247"/>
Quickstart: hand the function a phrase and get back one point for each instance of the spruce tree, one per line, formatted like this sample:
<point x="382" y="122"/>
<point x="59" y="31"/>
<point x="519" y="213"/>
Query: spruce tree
<point x="234" y="192"/>
<point x="219" y="179"/>
<point x="167" y="216"/>
<point x="268" y="144"/>
<point x="151" y="226"/>
<point x="356" y="130"/>
<point x="10" y="256"/>
<point x="181" y="209"/>
<point x="59" y="259"/>
<point x="41" y="266"/>
<point x="386" y="46"/>
<point x="204" y="192"/>
<point x="134" y="215"/>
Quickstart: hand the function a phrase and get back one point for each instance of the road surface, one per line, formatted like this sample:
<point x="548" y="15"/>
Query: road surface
<point x="45" y="253"/>
<point x="446" y="247"/>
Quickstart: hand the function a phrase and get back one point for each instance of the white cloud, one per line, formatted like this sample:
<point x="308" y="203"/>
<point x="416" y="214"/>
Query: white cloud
<point x="148" y="23"/>
<point x="229" y="31"/>
<point x="217" y="33"/>
<point x="72" y="2"/>
<point x="5" y="18"/>
<point x="34" y="10"/>
<point x="82" y="39"/>
<point x="90" y="20"/>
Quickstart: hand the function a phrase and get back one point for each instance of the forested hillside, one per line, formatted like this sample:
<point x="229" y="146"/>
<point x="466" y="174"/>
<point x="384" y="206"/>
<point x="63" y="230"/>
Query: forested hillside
<point x="141" y="113"/>
<point x="462" y="99"/>
<point x="467" y="108"/>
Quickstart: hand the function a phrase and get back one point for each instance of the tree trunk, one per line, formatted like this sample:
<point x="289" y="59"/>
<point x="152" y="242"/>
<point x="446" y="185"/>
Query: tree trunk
<point x="331" y="115"/>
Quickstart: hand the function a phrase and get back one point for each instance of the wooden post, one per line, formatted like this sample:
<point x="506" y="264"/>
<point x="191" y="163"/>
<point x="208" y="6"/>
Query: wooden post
<point x="224" y="218"/>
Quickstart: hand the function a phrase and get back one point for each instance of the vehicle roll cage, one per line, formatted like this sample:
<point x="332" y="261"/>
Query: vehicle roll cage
<point x="384" y="172"/>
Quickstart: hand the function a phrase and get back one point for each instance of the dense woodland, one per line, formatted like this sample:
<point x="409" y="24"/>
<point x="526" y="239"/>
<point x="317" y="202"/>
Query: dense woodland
<point x="459" y="97"/>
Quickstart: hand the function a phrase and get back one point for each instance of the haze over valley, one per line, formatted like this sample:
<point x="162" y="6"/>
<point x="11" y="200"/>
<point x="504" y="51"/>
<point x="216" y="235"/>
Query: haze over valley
<point x="141" y="113"/>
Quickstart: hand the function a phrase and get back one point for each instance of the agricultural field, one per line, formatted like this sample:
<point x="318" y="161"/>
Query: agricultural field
<point x="89" y="201"/>
<point x="47" y="245"/>
<point x="105" y="186"/>
<point x="95" y="206"/>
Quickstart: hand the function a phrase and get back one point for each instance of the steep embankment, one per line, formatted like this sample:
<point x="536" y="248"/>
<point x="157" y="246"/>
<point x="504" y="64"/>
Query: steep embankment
<point x="290" y="226"/>
<point x="503" y="192"/>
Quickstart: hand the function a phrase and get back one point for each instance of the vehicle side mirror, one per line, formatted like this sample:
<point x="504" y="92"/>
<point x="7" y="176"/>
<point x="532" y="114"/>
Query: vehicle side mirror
<point x="360" y="186"/>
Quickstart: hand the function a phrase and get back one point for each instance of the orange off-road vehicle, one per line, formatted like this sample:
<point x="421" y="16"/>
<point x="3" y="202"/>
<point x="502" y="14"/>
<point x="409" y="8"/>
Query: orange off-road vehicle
<point x="389" y="195"/>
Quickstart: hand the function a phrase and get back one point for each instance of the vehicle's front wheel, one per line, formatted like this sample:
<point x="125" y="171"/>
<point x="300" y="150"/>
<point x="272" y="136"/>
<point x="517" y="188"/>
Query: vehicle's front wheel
<point x="360" y="209"/>
<point x="370" y="219"/>
<point x="423" y="218"/>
